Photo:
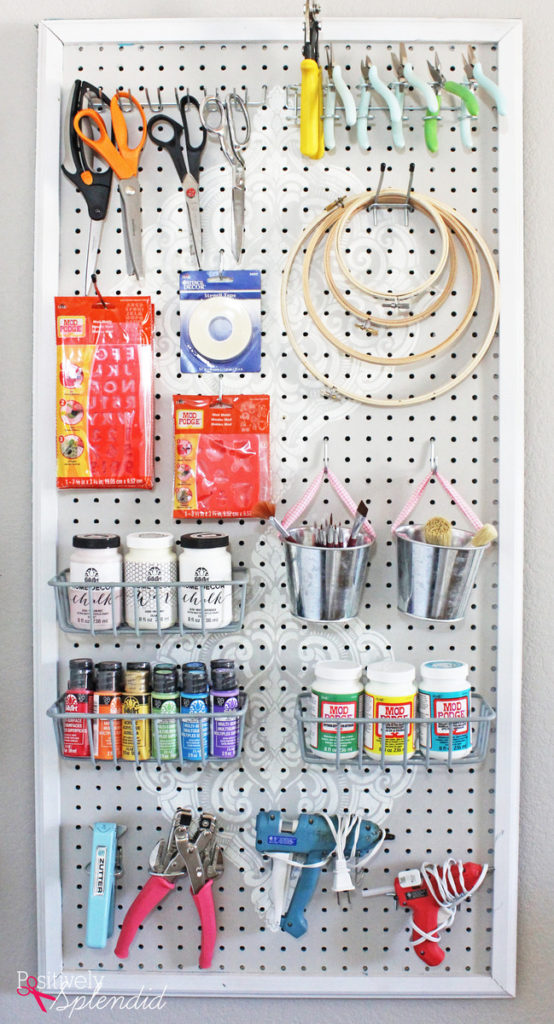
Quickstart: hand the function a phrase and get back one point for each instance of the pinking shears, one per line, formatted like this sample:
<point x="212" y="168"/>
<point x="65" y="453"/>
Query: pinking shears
<point x="124" y="162"/>
<point x="186" y="160"/>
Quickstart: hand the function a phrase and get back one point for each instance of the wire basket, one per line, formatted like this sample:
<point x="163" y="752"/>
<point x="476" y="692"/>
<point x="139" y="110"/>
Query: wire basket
<point x="479" y="720"/>
<point x="119" y="592"/>
<point x="156" y="722"/>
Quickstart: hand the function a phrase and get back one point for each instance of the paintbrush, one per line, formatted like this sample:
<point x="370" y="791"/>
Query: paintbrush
<point x="361" y="514"/>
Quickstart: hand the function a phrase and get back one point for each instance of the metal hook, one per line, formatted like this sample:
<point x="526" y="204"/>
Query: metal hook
<point x="220" y="388"/>
<point x="433" y="462"/>
<point x="325" y="454"/>
<point x="409" y="208"/>
<point x="156" y="109"/>
<point x="125" y="108"/>
<point x="221" y="255"/>
<point x="375" y="203"/>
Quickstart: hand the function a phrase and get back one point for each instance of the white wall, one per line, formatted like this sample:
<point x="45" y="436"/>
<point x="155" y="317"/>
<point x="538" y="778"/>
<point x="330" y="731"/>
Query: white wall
<point x="17" y="113"/>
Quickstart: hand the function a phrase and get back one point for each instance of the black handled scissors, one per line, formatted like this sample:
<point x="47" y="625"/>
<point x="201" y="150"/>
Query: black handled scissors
<point x="186" y="160"/>
<point x="95" y="186"/>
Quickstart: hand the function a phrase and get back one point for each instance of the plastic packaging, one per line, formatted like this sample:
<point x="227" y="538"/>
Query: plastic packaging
<point x="206" y="556"/>
<point x="444" y="692"/>
<point x="104" y="404"/>
<point x="151" y="559"/>
<point x="220" y="317"/>
<point x="95" y="558"/>
<point x="390" y="694"/>
<point x="336" y="695"/>
<point x="221" y="466"/>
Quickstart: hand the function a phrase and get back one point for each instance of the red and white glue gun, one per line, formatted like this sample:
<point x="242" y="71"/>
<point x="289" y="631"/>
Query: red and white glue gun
<point x="433" y="894"/>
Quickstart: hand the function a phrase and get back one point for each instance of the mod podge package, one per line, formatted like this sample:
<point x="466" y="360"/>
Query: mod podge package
<point x="104" y="393"/>
<point x="220" y="321"/>
<point x="221" y="457"/>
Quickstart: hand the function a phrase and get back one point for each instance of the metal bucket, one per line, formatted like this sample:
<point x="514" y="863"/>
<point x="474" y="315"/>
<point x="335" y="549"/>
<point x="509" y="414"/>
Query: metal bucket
<point x="325" y="584"/>
<point x="435" y="582"/>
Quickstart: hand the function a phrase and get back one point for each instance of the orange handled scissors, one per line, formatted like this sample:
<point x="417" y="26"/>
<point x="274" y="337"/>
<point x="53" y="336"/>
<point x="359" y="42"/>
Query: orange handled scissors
<point x="124" y="162"/>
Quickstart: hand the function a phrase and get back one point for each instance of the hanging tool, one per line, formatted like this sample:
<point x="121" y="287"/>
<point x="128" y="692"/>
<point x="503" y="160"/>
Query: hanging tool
<point x="336" y="85"/>
<point x="317" y="836"/>
<point x="95" y="186"/>
<point x="311" y="90"/>
<point x="229" y="121"/>
<point x="124" y="161"/>
<point x="105" y="867"/>
<point x="469" y="101"/>
<point x="190" y="849"/>
<point x="371" y="76"/>
<point x="406" y="74"/>
<point x="433" y="894"/>
<point x="186" y="160"/>
<point x="476" y="76"/>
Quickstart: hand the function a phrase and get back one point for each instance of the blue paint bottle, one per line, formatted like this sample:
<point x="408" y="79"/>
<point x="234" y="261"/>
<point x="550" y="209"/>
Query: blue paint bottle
<point x="194" y="700"/>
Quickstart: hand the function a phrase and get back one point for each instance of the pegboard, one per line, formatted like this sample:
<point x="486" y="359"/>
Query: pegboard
<point x="361" y="949"/>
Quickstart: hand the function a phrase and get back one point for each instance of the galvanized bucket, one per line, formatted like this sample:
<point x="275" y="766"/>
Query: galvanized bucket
<point x="435" y="582"/>
<point x="325" y="584"/>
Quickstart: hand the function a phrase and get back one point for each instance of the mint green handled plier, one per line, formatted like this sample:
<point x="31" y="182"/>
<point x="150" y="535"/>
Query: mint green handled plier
<point x="475" y="73"/>
<point x="371" y="75"/>
<point x="468" y="98"/>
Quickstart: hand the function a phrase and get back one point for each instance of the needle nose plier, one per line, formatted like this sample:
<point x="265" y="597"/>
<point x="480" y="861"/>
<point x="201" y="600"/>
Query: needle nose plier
<point x="190" y="849"/>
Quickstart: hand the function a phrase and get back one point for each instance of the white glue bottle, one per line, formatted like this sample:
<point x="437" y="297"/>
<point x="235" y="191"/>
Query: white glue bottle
<point x="444" y="692"/>
<point x="390" y="694"/>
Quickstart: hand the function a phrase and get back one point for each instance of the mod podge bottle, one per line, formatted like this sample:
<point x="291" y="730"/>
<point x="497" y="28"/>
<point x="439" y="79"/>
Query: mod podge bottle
<point x="336" y="697"/>
<point x="390" y="697"/>
<point x="444" y="692"/>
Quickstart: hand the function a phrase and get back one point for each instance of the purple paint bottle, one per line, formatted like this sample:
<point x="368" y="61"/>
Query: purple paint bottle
<point x="224" y="696"/>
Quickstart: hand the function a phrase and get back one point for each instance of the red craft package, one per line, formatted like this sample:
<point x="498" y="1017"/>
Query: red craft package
<point x="104" y="392"/>
<point x="221" y="457"/>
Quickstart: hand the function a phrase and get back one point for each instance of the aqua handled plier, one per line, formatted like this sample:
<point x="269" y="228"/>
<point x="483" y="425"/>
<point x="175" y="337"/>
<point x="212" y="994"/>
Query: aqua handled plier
<point x="371" y="77"/>
<point x="191" y="850"/>
<point x="475" y="74"/>
<point x="407" y="76"/>
<point x="336" y="85"/>
<point x="469" y="101"/>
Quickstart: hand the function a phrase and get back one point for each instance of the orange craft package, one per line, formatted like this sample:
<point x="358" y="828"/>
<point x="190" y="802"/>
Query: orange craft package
<point x="104" y="392"/>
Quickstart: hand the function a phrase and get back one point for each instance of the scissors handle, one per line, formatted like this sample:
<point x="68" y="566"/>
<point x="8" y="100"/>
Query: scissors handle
<point x="171" y="144"/>
<point x="122" y="159"/>
<point x="94" y="185"/>
<point x="194" y="153"/>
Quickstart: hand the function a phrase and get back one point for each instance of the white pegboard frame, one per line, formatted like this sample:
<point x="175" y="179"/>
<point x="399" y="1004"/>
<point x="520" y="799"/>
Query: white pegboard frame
<point x="54" y="36"/>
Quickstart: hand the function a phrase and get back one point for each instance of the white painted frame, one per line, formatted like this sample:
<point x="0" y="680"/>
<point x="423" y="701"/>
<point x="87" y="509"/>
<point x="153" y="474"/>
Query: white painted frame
<point x="53" y="35"/>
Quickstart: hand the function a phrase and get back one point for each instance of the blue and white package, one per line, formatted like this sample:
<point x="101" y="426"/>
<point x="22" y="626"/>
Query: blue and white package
<point x="220" y="321"/>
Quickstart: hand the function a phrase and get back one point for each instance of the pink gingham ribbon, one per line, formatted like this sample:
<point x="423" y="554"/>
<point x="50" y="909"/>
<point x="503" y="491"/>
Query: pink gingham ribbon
<point x="450" y="490"/>
<point x="309" y="494"/>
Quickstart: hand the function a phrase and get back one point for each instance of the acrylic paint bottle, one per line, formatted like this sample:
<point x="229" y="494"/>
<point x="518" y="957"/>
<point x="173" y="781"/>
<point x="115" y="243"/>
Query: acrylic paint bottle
<point x="194" y="700"/>
<point x="107" y="702"/>
<point x="224" y="697"/>
<point x="136" y="701"/>
<point x="165" y="702"/>
<point x="78" y="698"/>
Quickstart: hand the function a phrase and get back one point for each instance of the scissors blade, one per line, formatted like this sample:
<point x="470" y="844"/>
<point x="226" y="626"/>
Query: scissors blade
<point x="238" y="212"/>
<point x="94" y="238"/>
<point x="190" y="186"/>
<point x="129" y="191"/>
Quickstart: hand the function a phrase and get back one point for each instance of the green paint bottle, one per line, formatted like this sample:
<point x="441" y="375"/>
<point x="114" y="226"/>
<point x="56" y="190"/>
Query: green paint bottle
<point x="165" y="702"/>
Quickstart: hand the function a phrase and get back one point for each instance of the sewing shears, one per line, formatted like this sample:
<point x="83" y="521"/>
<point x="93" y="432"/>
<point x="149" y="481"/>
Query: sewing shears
<point x="94" y="185"/>
<point x="186" y="160"/>
<point x="228" y="120"/>
<point x="124" y="161"/>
